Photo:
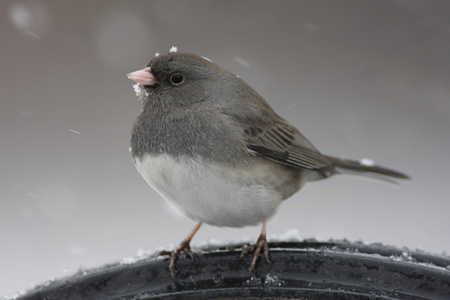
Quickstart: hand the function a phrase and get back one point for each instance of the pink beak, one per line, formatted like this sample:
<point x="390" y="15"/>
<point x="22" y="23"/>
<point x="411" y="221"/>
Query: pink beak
<point x="144" y="77"/>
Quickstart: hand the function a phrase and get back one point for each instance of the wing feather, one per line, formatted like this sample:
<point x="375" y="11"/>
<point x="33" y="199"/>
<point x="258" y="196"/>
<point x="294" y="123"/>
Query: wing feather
<point x="275" y="139"/>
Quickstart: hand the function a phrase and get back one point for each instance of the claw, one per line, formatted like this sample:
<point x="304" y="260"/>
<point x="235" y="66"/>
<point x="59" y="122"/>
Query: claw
<point x="174" y="256"/>
<point x="261" y="244"/>
<point x="184" y="247"/>
<point x="163" y="253"/>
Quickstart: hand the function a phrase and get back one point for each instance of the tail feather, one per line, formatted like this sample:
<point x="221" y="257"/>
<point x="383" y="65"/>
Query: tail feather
<point x="366" y="168"/>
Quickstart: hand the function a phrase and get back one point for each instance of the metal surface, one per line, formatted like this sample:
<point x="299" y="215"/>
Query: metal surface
<point x="300" y="270"/>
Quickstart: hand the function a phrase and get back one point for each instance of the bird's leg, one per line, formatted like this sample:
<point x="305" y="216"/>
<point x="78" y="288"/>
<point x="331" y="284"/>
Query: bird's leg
<point x="184" y="247"/>
<point x="261" y="244"/>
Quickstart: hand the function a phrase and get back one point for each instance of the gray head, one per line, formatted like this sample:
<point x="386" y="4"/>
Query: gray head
<point x="180" y="80"/>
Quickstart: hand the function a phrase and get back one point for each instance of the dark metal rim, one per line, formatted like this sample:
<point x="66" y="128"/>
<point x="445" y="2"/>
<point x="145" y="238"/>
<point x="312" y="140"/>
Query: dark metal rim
<point x="299" y="270"/>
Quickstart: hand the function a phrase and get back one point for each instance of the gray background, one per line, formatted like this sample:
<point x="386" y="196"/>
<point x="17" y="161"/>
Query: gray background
<point x="358" y="78"/>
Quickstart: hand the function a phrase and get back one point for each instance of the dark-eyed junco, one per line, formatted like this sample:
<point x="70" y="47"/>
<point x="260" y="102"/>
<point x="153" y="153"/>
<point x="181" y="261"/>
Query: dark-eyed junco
<point x="210" y="144"/>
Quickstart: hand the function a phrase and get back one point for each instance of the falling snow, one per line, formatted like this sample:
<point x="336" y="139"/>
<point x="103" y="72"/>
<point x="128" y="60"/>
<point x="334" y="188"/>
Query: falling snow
<point x="242" y="61"/>
<point x="74" y="131"/>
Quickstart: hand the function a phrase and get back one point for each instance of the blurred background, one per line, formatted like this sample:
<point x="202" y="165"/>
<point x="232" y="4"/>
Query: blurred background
<point x="358" y="78"/>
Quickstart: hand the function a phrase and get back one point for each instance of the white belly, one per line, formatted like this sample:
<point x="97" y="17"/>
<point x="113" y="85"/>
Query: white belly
<point x="209" y="194"/>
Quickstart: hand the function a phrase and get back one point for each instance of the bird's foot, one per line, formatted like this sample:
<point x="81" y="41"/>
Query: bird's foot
<point x="261" y="244"/>
<point x="184" y="247"/>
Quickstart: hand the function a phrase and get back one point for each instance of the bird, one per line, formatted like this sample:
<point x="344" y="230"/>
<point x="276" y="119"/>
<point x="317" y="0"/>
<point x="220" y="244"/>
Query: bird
<point x="211" y="145"/>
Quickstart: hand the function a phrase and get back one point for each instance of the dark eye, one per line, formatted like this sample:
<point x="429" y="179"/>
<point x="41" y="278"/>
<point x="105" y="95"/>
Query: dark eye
<point x="177" y="79"/>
